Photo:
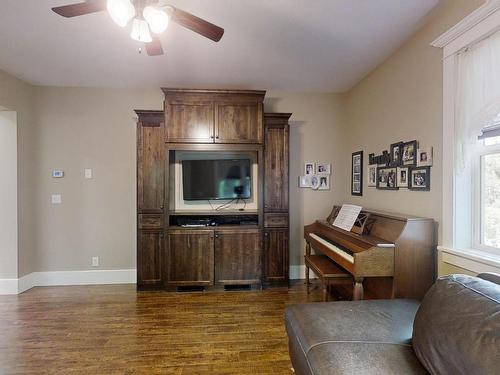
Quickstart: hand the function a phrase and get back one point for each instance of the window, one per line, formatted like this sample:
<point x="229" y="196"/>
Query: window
<point x="487" y="207"/>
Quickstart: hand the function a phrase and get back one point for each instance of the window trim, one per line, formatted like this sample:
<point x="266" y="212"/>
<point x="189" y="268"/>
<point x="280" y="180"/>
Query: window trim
<point x="480" y="24"/>
<point x="477" y="199"/>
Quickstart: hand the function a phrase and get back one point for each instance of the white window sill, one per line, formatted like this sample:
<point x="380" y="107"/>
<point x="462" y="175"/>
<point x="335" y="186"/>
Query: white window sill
<point x="473" y="260"/>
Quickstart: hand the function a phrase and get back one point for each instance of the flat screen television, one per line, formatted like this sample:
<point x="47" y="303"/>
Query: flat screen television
<point x="216" y="179"/>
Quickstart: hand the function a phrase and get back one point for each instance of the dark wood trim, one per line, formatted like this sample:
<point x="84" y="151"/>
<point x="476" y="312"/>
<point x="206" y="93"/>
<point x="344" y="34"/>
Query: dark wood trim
<point x="167" y="90"/>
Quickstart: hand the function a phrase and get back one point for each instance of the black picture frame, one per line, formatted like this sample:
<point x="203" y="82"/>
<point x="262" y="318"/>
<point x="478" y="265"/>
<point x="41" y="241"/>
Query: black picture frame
<point x="412" y="185"/>
<point x="396" y="147"/>
<point x="384" y="185"/>
<point x="357" y="173"/>
<point x="411" y="162"/>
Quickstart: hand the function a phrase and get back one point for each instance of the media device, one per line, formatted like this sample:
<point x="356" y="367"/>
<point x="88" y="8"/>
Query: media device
<point x="216" y="179"/>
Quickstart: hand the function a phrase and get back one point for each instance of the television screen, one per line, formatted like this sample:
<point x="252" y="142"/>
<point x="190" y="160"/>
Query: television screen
<point x="216" y="179"/>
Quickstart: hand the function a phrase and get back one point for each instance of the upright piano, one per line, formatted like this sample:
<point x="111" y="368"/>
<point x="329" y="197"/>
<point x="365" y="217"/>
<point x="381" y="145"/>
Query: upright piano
<point x="394" y="260"/>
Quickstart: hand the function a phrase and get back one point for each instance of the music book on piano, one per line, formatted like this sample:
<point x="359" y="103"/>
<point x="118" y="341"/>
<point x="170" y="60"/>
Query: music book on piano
<point x="347" y="216"/>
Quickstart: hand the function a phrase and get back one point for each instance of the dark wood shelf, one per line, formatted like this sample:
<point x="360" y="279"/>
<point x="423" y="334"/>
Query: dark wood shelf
<point x="215" y="227"/>
<point x="214" y="213"/>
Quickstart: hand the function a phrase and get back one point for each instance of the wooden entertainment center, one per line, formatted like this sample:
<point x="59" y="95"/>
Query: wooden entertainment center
<point x="242" y="246"/>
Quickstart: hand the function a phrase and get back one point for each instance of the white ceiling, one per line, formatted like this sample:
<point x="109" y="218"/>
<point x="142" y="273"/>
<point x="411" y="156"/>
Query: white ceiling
<point x="302" y="45"/>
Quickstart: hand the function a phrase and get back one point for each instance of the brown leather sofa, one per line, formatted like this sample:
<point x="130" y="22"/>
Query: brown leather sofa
<point x="455" y="330"/>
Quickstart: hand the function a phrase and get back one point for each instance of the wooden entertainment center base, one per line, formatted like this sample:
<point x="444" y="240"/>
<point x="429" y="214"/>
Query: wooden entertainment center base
<point x="238" y="247"/>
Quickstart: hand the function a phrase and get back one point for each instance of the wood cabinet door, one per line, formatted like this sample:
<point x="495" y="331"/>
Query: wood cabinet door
<point x="238" y="257"/>
<point x="238" y="123"/>
<point x="190" y="257"/>
<point x="276" y="168"/>
<point x="276" y="267"/>
<point x="189" y="122"/>
<point x="150" y="252"/>
<point x="150" y="167"/>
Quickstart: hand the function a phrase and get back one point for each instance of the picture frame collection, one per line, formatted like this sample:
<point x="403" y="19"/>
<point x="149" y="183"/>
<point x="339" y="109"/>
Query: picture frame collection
<point x="316" y="176"/>
<point x="404" y="166"/>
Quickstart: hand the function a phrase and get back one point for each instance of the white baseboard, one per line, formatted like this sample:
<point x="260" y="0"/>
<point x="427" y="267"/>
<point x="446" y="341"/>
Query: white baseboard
<point x="92" y="277"/>
<point x="299" y="273"/>
<point x="8" y="286"/>
<point x="57" y="278"/>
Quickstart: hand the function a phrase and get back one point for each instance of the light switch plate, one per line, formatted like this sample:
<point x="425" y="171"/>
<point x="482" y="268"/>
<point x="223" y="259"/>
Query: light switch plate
<point x="95" y="261"/>
<point x="88" y="173"/>
<point x="56" y="199"/>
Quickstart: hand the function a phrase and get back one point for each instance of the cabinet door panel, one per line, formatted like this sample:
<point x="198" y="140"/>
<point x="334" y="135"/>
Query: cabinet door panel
<point x="150" y="168"/>
<point x="276" y="169"/>
<point x="190" y="257"/>
<point x="190" y="122"/>
<point x="276" y="255"/>
<point x="238" y="123"/>
<point x="150" y="258"/>
<point x="238" y="257"/>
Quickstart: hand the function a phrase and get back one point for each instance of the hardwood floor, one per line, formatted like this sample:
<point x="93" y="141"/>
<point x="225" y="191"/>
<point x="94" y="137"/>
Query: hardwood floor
<point x="114" y="329"/>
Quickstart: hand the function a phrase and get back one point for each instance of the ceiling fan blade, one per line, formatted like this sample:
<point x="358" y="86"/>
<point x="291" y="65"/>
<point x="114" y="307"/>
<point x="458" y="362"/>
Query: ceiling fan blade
<point x="198" y="25"/>
<point x="79" y="9"/>
<point x="154" y="48"/>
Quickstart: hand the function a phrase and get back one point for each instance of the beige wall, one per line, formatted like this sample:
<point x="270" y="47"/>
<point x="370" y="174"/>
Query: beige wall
<point x="317" y="129"/>
<point x="17" y="96"/>
<point x="401" y="100"/>
<point x="87" y="128"/>
<point x="8" y="195"/>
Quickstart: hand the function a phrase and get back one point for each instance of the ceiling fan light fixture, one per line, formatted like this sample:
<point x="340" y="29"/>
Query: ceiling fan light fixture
<point x="121" y="11"/>
<point x="140" y="31"/>
<point x="156" y="18"/>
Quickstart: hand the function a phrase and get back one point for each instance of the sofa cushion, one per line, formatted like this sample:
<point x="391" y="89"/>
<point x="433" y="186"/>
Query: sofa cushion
<point x="457" y="327"/>
<point x="360" y="358"/>
<point x="365" y="325"/>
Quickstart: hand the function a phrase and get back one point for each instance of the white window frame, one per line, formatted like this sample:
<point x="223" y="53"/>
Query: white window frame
<point x="480" y="24"/>
<point x="478" y="205"/>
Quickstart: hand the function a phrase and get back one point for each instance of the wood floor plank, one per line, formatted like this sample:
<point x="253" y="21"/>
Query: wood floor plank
<point x="114" y="329"/>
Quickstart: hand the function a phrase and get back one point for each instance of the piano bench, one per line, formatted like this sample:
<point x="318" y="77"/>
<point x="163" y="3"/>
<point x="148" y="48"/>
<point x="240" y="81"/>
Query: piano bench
<point x="327" y="271"/>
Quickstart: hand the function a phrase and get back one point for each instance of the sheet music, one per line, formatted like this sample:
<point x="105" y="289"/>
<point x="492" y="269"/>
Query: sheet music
<point x="347" y="216"/>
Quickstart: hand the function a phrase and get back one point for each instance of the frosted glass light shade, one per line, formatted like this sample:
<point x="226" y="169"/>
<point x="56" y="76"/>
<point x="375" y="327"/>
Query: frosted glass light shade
<point x="157" y="19"/>
<point x="140" y="31"/>
<point x="121" y="11"/>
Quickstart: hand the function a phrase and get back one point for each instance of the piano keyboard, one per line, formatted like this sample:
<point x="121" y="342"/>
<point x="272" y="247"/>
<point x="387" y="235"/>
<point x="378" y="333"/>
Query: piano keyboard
<point x="334" y="248"/>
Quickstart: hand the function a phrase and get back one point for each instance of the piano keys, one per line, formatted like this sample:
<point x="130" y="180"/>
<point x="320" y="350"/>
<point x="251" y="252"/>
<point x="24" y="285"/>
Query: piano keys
<point x="395" y="260"/>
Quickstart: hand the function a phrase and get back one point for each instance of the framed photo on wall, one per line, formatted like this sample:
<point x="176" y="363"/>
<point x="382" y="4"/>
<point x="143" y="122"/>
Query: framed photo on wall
<point x="396" y="154"/>
<point x="324" y="182"/>
<point x="424" y="157"/>
<point x="309" y="169"/>
<point x="420" y="178"/>
<point x="357" y="174"/>
<point x="323" y="168"/>
<point x="387" y="178"/>
<point x="403" y="177"/>
<point x="410" y="154"/>
<point x="372" y="175"/>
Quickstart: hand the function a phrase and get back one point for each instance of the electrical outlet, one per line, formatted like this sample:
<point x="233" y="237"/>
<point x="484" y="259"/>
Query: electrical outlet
<point x="95" y="261"/>
<point x="56" y="199"/>
<point x="87" y="172"/>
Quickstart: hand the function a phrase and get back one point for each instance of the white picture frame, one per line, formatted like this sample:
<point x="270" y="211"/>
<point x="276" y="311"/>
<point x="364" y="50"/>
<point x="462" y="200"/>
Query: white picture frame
<point x="304" y="181"/>
<point x="372" y="175"/>
<point x="324" y="182"/>
<point x="309" y="168"/>
<point x="424" y="157"/>
<point x="323" y="168"/>
<point x="315" y="182"/>
<point x="403" y="175"/>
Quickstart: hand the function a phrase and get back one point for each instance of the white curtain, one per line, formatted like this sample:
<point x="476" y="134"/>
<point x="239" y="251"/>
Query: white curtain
<point x="477" y="95"/>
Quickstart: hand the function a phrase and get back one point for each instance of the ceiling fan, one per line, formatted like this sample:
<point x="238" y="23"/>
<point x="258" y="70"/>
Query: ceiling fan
<point x="147" y="16"/>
